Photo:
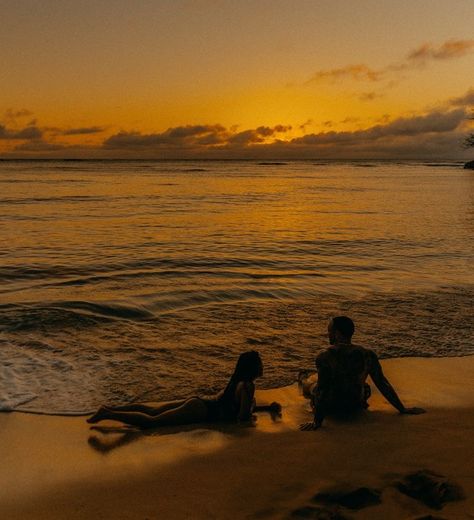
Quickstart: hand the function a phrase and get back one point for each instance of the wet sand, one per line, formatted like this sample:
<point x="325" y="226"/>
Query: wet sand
<point x="56" y="468"/>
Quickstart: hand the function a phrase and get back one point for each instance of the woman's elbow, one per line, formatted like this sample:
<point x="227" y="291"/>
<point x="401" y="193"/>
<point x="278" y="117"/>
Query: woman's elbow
<point x="245" y="416"/>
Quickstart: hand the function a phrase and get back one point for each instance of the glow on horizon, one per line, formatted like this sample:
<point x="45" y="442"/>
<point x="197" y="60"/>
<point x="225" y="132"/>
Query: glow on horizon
<point x="315" y="66"/>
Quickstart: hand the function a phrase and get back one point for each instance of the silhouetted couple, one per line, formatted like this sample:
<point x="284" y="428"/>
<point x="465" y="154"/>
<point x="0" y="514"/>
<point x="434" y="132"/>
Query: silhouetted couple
<point x="342" y="371"/>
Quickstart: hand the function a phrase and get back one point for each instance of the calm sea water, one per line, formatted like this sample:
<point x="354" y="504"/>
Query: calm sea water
<point x="120" y="279"/>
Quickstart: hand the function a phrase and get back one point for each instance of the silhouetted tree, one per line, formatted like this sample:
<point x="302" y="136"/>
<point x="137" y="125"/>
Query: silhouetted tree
<point x="469" y="141"/>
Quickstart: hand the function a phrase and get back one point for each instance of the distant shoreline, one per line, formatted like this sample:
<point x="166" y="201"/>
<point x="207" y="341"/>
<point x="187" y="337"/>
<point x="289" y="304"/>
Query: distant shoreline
<point x="260" y="161"/>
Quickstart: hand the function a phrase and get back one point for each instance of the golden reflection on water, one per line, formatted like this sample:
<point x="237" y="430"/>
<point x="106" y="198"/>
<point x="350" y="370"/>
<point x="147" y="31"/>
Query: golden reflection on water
<point x="107" y="217"/>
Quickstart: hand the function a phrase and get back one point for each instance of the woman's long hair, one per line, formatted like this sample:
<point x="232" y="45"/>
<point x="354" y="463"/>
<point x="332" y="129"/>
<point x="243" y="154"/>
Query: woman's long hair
<point x="248" y="367"/>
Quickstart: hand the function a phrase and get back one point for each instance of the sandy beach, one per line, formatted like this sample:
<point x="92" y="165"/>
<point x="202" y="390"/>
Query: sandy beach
<point x="55" y="467"/>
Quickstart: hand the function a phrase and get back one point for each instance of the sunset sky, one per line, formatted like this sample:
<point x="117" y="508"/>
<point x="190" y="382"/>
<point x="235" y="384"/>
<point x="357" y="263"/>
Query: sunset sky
<point x="236" y="79"/>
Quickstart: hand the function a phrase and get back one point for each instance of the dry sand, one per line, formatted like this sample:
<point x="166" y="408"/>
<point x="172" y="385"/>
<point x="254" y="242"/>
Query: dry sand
<point x="56" y="468"/>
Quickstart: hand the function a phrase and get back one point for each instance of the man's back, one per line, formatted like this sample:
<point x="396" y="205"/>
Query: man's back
<point x="342" y="374"/>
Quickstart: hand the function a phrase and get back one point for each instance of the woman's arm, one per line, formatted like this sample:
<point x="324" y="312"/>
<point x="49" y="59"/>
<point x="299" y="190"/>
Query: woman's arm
<point x="245" y="392"/>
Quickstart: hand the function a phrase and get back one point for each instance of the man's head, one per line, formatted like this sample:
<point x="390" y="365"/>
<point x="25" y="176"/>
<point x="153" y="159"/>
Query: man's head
<point x="340" y="330"/>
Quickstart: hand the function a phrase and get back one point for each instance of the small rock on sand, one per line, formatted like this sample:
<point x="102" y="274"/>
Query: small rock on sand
<point x="354" y="499"/>
<point x="317" y="513"/>
<point x="430" y="517"/>
<point x="432" y="489"/>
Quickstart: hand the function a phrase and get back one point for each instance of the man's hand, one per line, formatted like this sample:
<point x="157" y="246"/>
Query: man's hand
<point x="309" y="426"/>
<point x="412" y="411"/>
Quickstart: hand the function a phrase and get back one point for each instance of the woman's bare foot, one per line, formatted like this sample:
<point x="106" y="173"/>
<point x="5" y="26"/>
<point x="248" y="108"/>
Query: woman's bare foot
<point x="98" y="416"/>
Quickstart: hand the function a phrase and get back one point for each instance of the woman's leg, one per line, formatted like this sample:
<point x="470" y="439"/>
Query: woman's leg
<point x="100" y="415"/>
<point x="147" y="408"/>
<point x="191" y="411"/>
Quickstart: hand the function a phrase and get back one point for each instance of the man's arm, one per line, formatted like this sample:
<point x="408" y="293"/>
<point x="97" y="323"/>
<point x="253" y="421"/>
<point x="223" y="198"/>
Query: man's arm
<point x="386" y="389"/>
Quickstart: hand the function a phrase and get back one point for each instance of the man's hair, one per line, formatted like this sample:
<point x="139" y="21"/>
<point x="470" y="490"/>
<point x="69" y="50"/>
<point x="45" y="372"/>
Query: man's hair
<point x="344" y="325"/>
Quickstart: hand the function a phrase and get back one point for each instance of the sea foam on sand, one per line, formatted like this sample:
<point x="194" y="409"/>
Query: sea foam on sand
<point x="55" y="467"/>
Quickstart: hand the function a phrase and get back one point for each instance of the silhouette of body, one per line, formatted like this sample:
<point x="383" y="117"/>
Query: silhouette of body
<point x="342" y="371"/>
<point x="235" y="402"/>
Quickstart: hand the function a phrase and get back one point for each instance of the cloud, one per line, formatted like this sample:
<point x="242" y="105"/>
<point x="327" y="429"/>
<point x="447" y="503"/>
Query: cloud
<point x="384" y="119"/>
<point x="40" y="146"/>
<point x="436" y="133"/>
<point x="246" y="137"/>
<point x="177" y="136"/>
<point x="433" y="122"/>
<point x="358" y="72"/>
<point x="429" y="137"/>
<point x="282" y="128"/>
<point x="194" y="135"/>
<point x="369" y="96"/>
<point x="450" y="49"/>
<point x="303" y="126"/>
<point x="350" y="120"/>
<point x="83" y="131"/>
<point x="191" y="131"/>
<point x="421" y="56"/>
<point x="463" y="101"/>
<point x="29" y="132"/>
<point x="12" y="115"/>
<point x="409" y="136"/>
<point x="258" y="135"/>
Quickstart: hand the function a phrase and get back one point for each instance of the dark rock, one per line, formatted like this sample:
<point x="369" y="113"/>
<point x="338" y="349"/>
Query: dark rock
<point x="356" y="499"/>
<point x="269" y="163"/>
<point x="432" y="489"/>
<point x="430" y="517"/>
<point x="317" y="513"/>
<point x="469" y="165"/>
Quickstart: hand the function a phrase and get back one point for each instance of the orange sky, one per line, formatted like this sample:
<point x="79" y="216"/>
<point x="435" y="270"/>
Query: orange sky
<point x="111" y="78"/>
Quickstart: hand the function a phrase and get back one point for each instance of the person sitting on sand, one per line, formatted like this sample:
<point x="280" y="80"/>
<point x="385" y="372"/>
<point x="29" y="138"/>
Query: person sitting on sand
<point x="342" y="370"/>
<point x="234" y="403"/>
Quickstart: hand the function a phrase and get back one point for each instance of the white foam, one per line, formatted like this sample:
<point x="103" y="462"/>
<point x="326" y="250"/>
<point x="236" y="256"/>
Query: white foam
<point x="75" y="369"/>
<point x="13" y="402"/>
<point x="12" y="392"/>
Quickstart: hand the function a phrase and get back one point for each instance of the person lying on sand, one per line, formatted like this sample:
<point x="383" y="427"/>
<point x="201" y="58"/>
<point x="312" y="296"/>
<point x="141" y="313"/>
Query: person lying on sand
<point x="342" y="371"/>
<point x="235" y="403"/>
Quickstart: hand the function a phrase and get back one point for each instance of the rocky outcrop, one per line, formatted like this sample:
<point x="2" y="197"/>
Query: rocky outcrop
<point x="469" y="165"/>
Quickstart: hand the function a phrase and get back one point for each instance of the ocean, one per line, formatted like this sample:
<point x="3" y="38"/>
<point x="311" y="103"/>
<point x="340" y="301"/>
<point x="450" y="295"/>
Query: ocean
<point x="124" y="280"/>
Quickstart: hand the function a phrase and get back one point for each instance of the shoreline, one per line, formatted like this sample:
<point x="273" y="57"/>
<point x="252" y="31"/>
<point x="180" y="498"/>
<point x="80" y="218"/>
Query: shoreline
<point x="52" y="469"/>
<point x="81" y="414"/>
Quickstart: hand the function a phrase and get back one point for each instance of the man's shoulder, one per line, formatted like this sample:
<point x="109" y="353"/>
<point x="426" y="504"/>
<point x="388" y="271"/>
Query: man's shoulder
<point x="365" y="350"/>
<point x="370" y="358"/>
<point x="368" y="353"/>
<point x="329" y="352"/>
<point x="323" y="356"/>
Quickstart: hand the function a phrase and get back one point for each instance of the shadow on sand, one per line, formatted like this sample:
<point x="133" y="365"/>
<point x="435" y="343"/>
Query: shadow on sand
<point x="113" y="437"/>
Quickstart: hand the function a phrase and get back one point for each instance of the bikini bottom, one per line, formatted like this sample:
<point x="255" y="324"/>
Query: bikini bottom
<point x="213" y="407"/>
